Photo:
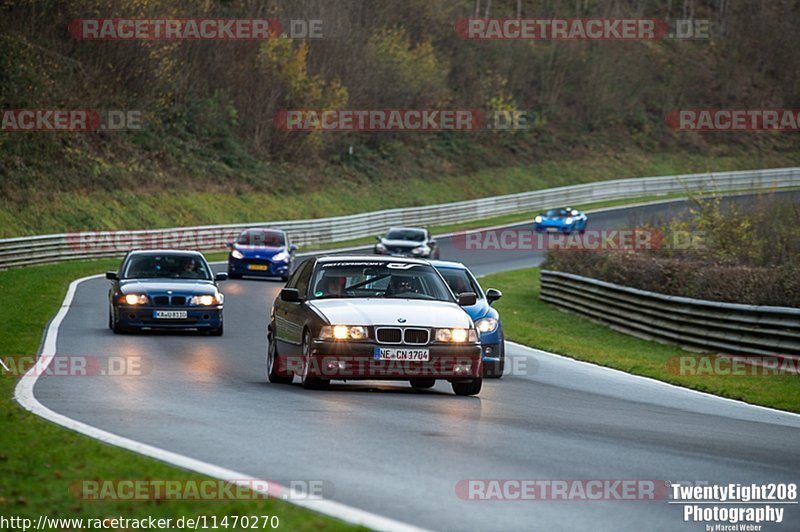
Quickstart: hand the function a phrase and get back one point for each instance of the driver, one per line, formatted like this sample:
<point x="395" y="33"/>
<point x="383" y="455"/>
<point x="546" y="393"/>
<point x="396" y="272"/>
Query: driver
<point x="459" y="286"/>
<point x="402" y="285"/>
<point x="189" y="268"/>
<point x="334" y="286"/>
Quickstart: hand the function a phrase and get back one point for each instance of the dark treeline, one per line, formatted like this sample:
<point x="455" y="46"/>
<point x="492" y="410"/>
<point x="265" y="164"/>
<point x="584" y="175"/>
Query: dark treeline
<point x="215" y="100"/>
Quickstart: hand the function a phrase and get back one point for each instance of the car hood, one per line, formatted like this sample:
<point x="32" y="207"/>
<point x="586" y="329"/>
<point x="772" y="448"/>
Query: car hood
<point x="481" y="309"/>
<point x="366" y="312"/>
<point x="178" y="286"/>
<point x="258" y="252"/>
<point x="402" y="243"/>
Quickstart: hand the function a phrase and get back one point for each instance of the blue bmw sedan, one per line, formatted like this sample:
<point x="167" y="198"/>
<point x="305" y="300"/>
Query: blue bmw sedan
<point x="485" y="317"/>
<point x="261" y="252"/>
<point x="165" y="289"/>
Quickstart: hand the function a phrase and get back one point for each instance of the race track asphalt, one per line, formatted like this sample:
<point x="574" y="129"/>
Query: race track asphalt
<point x="397" y="452"/>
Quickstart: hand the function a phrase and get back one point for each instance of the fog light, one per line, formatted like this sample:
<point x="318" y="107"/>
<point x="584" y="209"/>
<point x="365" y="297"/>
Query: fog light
<point x="333" y="365"/>
<point x="462" y="368"/>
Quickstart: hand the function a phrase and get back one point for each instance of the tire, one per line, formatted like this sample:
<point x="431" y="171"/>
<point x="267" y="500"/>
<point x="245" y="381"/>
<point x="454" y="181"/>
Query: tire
<point x="272" y="365"/>
<point x="119" y="329"/>
<point x="110" y="319"/>
<point x="284" y="278"/>
<point x="494" y="370"/>
<point x="216" y="332"/>
<point x="467" y="388"/>
<point x="310" y="383"/>
<point x="422" y="384"/>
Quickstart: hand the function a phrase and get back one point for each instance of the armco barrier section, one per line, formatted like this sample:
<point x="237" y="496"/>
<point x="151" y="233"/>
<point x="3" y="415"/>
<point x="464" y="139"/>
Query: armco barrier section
<point x="23" y="251"/>
<point x="709" y="326"/>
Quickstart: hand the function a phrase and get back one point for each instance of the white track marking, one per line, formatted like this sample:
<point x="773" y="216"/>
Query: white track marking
<point x="23" y="394"/>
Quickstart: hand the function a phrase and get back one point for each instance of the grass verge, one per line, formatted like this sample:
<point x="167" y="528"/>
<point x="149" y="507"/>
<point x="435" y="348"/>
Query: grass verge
<point x="41" y="460"/>
<point x="530" y="321"/>
<point x="151" y="209"/>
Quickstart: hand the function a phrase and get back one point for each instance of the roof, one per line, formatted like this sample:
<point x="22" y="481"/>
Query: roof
<point x="447" y="264"/>
<point x="186" y="252"/>
<point x="369" y="258"/>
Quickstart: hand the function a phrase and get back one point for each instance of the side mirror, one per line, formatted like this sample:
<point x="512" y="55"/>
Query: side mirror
<point x="292" y="248"/>
<point x="493" y="295"/>
<point x="229" y="244"/>
<point x="112" y="276"/>
<point x="378" y="238"/>
<point x="465" y="299"/>
<point x="221" y="276"/>
<point x="291" y="295"/>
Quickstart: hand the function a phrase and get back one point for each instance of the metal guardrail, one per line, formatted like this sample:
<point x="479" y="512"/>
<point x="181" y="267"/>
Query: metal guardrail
<point x="23" y="251"/>
<point x="709" y="326"/>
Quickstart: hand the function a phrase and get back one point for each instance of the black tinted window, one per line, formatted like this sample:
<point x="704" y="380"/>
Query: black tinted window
<point x="166" y="266"/>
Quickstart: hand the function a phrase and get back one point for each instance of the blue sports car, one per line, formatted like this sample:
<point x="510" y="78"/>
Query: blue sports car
<point x="486" y="318"/>
<point x="165" y="289"/>
<point x="561" y="221"/>
<point x="261" y="252"/>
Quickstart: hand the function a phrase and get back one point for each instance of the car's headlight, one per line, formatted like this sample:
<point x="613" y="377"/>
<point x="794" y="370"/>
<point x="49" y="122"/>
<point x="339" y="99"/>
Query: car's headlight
<point x="134" y="299"/>
<point x="206" y="300"/>
<point x="538" y="219"/>
<point x="486" y="325"/>
<point x="342" y="332"/>
<point x="569" y="220"/>
<point x="280" y="257"/>
<point x="236" y="254"/>
<point x="380" y="247"/>
<point x="575" y="213"/>
<point x="456" y="335"/>
<point x="418" y="250"/>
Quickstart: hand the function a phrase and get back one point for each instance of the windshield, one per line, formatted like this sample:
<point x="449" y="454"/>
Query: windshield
<point x="556" y="213"/>
<point x="459" y="281"/>
<point x="414" y="235"/>
<point x="378" y="279"/>
<point x="166" y="267"/>
<point x="262" y="238"/>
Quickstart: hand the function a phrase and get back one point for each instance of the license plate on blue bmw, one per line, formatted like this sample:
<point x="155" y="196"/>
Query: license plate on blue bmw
<point x="169" y="314"/>
<point x="397" y="353"/>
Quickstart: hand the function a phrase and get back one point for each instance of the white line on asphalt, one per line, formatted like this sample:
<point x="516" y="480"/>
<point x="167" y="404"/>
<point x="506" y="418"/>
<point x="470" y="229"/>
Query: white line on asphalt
<point x="23" y="394"/>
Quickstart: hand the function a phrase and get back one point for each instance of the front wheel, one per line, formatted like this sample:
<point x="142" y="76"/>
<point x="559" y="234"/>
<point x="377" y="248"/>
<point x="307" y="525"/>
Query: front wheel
<point x="468" y="388"/>
<point x="273" y="363"/>
<point x="310" y="383"/>
<point x="116" y="327"/>
<point x="217" y="332"/>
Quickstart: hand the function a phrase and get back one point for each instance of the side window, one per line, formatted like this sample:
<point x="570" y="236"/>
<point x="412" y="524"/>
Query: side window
<point x="293" y="280"/>
<point x="304" y="278"/>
